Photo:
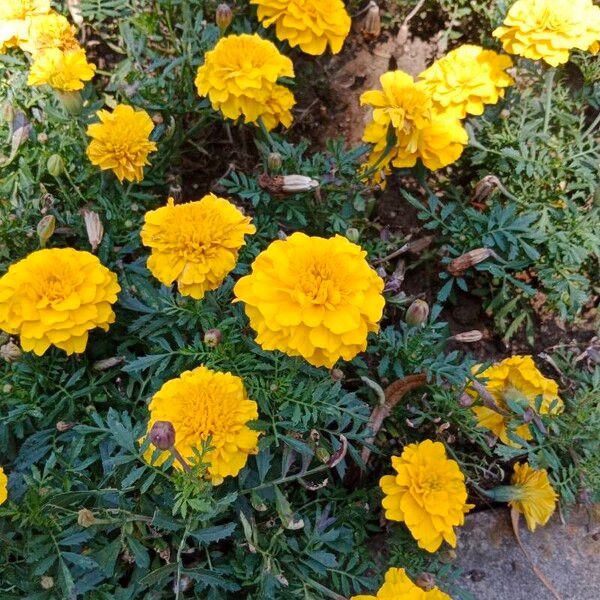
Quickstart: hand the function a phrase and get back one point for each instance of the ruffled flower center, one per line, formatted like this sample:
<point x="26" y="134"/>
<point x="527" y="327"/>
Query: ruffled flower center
<point x="317" y="285"/>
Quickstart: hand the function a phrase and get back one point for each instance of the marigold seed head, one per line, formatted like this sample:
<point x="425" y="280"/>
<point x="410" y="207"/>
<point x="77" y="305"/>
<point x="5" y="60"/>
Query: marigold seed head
<point x="47" y="582"/>
<point x="337" y="374"/>
<point x="371" y="26"/>
<point x="311" y="24"/>
<point x="120" y="142"/>
<point x="162" y="435"/>
<point x="426" y="581"/>
<point x="195" y="244"/>
<point x="85" y="518"/>
<point x="468" y="337"/>
<point x="10" y="352"/>
<point x="223" y="16"/>
<point x="417" y="313"/>
<point x="312" y="297"/>
<point x="213" y="337"/>
<point x="63" y="426"/>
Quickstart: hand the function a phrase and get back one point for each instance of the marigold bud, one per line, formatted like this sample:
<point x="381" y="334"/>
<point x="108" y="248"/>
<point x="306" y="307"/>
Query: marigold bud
<point x="468" y="337"/>
<point x="45" y="229"/>
<point x="72" y="101"/>
<point x="85" y="518"/>
<point x="55" y="165"/>
<point x="162" y="435"/>
<point x="64" y="426"/>
<point x="322" y="454"/>
<point x="10" y="352"/>
<point x="274" y="161"/>
<point x="353" y="234"/>
<point x="371" y="27"/>
<point x="42" y="138"/>
<point x="337" y="374"/>
<point x="417" y="313"/>
<point x="213" y="337"/>
<point x="93" y="227"/>
<point x="47" y="582"/>
<point x="457" y="266"/>
<point x="466" y="400"/>
<point x="223" y="16"/>
<point x="426" y="581"/>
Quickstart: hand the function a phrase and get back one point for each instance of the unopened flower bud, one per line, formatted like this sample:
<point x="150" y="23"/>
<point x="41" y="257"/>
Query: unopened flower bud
<point x="63" y="426"/>
<point x="457" y="266"/>
<point x="426" y="581"/>
<point x="7" y="388"/>
<point x="162" y="435"/>
<point x="371" y="27"/>
<point x="466" y="400"/>
<point x="223" y="16"/>
<point x="42" y="138"/>
<point x="353" y="234"/>
<point x="468" y="337"/>
<point x="213" y="337"/>
<point x="417" y="313"/>
<point x="45" y="229"/>
<point x="274" y="162"/>
<point x="10" y="352"/>
<point x="72" y="101"/>
<point x="337" y="374"/>
<point x="47" y="582"/>
<point x="85" y="518"/>
<point x="55" y="165"/>
<point x="322" y="454"/>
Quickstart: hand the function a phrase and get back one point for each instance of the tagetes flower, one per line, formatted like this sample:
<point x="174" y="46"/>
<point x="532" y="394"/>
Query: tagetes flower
<point x="428" y="493"/>
<point x="239" y="77"/>
<point x="50" y="31"/>
<point x="515" y="378"/>
<point x="398" y="586"/>
<point x="532" y="495"/>
<point x="310" y="24"/>
<point x="312" y="297"/>
<point x="203" y="404"/>
<point x="550" y="29"/>
<point x="420" y="131"/>
<point x="64" y="70"/>
<point x="55" y="297"/>
<point x="120" y="142"/>
<point x="15" y="19"/>
<point x="195" y="244"/>
<point x="3" y="486"/>
<point x="466" y="79"/>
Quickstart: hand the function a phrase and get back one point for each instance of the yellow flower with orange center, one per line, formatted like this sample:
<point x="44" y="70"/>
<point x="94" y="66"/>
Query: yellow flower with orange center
<point x="3" y="488"/>
<point x="550" y="29"/>
<point x="205" y="405"/>
<point x="466" y="79"/>
<point x="428" y="493"/>
<point x="50" y="31"/>
<point x="195" y="244"/>
<point x="64" y="70"/>
<point x="15" y="19"/>
<point x="420" y="132"/>
<point x="120" y="142"/>
<point x="398" y="586"/>
<point x="312" y="297"/>
<point x="532" y="495"/>
<point x="239" y="77"/>
<point x="55" y="297"/>
<point x="310" y="24"/>
<point x="515" y="379"/>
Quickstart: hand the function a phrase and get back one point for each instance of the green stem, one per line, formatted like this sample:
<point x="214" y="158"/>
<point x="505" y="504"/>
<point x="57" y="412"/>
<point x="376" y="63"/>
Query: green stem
<point x="179" y="562"/>
<point x="265" y="132"/>
<point x="287" y="479"/>
<point x="549" y="84"/>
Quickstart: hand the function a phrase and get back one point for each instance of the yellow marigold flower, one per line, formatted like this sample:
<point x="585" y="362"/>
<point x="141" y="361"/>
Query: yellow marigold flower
<point x="312" y="297"/>
<point x="203" y="404"/>
<point x="55" y="297"/>
<point x="50" y="31"/>
<point x="195" y="244"/>
<point x="466" y="79"/>
<point x="3" y="484"/>
<point x="421" y="132"/>
<point x="532" y="495"/>
<point x="427" y="492"/>
<point x="550" y="29"/>
<point x="120" y="142"/>
<point x="15" y="18"/>
<point x="398" y="586"/>
<point x="515" y="378"/>
<point x="65" y="71"/>
<point x="310" y="24"/>
<point x="240" y="75"/>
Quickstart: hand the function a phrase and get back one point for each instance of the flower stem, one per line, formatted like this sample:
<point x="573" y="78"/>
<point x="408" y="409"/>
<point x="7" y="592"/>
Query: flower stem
<point x="549" y="84"/>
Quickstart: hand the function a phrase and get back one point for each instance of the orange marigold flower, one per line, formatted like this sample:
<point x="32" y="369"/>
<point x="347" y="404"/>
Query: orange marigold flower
<point x="312" y="297"/>
<point x="50" y="31"/>
<point x="3" y="486"/>
<point x="428" y="493"/>
<point x="310" y="24"/>
<point x="120" y="142"/>
<point x="532" y="495"/>
<point x="195" y="244"/>
<point x="398" y="586"/>
<point x="205" y="405"/>
<point x="64" y="70"/>
<point x="240" y="75"/>
<point x="55" y="297"/>
<point x="15" y="19"/>
<point x="515" y="379"/>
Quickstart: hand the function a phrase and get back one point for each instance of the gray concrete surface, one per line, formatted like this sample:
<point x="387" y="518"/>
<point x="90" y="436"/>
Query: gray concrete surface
<point x="567" y="554"/>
